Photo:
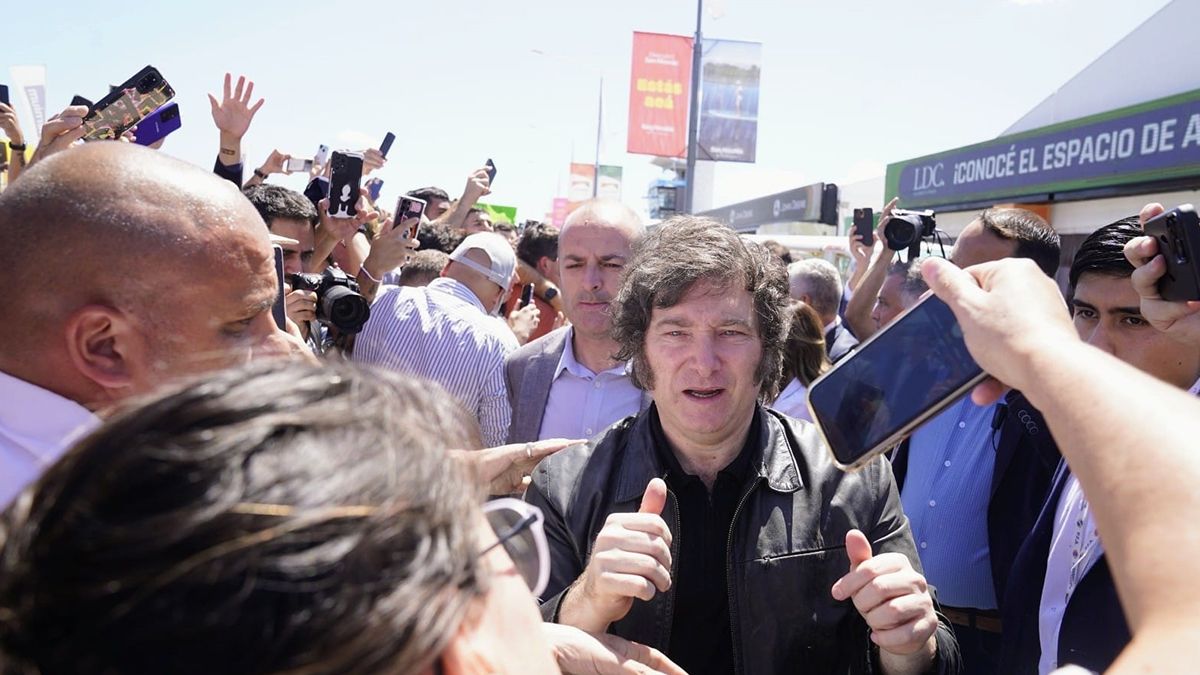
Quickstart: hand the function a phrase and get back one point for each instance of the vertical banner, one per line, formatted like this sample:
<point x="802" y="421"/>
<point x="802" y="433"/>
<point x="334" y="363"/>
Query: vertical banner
<point x="558" y="215"/>
<point x="610" y="182"/>
<point x="659" y="94"/>
<point x="30" y="83"/>
<point x="580" y="188"/>
<point x="729" y="76"/>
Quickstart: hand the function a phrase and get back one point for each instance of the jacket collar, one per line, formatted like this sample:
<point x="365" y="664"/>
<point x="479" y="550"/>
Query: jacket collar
<point x="775" y="461"/>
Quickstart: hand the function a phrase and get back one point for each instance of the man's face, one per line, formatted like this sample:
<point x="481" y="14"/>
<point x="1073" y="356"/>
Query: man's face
<point x="295" y="256"/>
<point x="591" y="257"/>
<point x="221" y="321"/>
<point x="977" y="245"/>
<point x="703" y="355"/>
<point x="890" y="302"/>
<point x="434" y="208"/>
<point x="1106" y="313"/>
<point x="477" y="221"/>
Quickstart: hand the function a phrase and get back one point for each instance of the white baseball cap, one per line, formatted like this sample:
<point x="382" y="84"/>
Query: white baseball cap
<point x="499" y="252"/>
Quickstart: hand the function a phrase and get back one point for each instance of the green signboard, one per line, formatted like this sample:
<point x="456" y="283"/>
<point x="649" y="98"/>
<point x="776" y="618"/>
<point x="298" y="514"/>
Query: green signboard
<point x="1151" y="142"/>
<point x="500" y="214"/>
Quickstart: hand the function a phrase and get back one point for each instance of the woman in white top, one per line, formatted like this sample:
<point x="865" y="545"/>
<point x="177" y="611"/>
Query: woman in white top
<point x="804" y="358"/>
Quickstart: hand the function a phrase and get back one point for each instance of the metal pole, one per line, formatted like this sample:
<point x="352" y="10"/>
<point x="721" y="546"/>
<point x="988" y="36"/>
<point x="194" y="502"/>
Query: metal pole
<point x="693" y="115"/>
<point x="599" y="129"/>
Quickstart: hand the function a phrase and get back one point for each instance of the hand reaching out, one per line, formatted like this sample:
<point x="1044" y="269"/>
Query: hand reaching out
<point x="234" y="113"/>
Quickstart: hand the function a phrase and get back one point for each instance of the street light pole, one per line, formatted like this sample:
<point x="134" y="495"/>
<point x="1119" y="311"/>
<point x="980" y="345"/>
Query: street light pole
<point x="693" y="115"/>
<point x="599" y="132"/>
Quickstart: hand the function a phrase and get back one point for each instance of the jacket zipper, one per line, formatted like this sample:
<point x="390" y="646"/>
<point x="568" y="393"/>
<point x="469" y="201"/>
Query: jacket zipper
<point x="675" y="548"/>
<point x="733" y="622"/>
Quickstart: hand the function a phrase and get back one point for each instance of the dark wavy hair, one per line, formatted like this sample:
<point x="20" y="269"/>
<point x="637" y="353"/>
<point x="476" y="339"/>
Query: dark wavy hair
<point x="1103" y="252"/>
<point x="682" y="252"/>
<point x="270" y="519"/>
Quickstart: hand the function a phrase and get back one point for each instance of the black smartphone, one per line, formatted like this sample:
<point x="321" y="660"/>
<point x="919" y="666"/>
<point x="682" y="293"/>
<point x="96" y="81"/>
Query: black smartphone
<point x="279" y="309"/>
<point x="1178" y="235"/>
<point x="895" y="381"/>
<point x="490" y="166"/>
<point x="79" y="100"/>
<point x="526" y="296"/>
<point x="317" y="189"/>
<point x="127" y="105"/>
<point x="4" y="95"/>
<point x="408" y="208"/>
<point x="864" y="225"/>
<point x="345" y="183"/>
<point x="387" y="144"/>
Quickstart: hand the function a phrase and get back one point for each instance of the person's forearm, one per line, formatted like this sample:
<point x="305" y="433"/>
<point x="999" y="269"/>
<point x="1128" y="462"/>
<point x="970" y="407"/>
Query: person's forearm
<point x="574" y="611"/>
<point x="1121" y="431"/>
<point x="856" y="277"/>
<point x="325" y="244"/>
<point x="910" y="664"/>
<point x="231" y="150"/>
<point x="357" y="250"/>
<point x="858" y="310"/>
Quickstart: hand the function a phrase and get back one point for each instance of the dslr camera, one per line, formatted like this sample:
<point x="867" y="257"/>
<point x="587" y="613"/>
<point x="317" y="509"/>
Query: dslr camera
<point x="338" y="301"/>
<point x="905" y="230"/>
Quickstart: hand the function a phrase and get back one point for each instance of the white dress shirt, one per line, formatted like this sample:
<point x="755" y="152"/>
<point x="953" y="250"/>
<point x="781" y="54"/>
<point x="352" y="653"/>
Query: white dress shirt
<point x="442" y="332"/>
<point x="36" y="428"/>
<point x="793" y="401"/>
<point x="581" y="403"/>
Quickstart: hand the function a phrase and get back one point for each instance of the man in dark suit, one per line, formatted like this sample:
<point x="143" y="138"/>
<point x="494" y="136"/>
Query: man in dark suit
<point x="816" y="282"/>
<point x="568" y="383"/>
<point x="1060" y="605"/>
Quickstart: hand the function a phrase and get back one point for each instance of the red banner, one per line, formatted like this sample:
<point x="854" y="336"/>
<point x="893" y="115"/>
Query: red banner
<point x="659" y="94"/>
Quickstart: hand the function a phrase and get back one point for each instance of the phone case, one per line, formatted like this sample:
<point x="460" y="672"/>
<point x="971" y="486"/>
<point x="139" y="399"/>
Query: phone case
<point x="344" y="184"/>
<point x="158" y="124"/>
<point x="127" y="105"/>
<point x="1178" y="235"/>
<point x="4" y="95"/>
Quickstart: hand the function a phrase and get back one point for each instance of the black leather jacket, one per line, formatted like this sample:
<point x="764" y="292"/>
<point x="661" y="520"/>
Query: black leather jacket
<point x="786" y="545"/>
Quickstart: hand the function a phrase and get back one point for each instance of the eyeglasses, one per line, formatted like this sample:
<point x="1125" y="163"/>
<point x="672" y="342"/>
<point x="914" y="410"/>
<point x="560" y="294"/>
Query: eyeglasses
<point x="520" y="530"/>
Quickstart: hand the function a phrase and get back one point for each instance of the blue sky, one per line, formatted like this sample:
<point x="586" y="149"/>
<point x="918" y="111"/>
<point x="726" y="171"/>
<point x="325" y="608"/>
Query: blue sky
<point x="847" y="86"/>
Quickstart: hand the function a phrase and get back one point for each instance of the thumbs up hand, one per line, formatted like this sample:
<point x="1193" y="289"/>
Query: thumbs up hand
<point x="631" y="559"/>
<point x="894" y="600"/>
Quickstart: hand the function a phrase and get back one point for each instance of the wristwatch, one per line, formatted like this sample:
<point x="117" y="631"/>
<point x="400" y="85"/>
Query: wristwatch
<point x="14" y="146"/>
<point x="260" y="174"/>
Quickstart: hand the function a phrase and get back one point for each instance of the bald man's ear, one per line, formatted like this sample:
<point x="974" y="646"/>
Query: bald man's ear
<point x="104" y="348"/>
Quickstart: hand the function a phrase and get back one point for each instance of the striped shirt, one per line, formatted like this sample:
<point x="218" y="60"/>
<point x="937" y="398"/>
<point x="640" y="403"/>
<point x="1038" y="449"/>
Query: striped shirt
<point x="441" y="332"/>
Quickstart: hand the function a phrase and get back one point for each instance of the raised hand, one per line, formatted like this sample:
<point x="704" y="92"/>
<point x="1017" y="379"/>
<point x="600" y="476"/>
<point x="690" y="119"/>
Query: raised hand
<point x="1179" y="319"/>
<point x="892" y="598"/>
<point x="234" y="113"/>
<point x="60" y="132"/>
<point x="630" y="559"/>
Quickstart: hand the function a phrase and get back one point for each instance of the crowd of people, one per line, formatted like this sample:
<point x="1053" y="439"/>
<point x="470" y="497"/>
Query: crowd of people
<point x="580" y="449"/>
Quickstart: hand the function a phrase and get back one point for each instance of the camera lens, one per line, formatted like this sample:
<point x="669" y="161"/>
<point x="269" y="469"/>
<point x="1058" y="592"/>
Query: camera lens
<point x="346" y="310"/>
<point x="900" y="233"/>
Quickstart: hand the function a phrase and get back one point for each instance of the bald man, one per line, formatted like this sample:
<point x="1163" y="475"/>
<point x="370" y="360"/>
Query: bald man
<point x="126" y="269"/>
<point x="567" y="384"/>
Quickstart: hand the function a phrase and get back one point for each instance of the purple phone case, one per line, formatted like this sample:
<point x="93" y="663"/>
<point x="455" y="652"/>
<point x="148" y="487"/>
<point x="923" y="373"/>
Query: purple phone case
<point x="158" y="124"/>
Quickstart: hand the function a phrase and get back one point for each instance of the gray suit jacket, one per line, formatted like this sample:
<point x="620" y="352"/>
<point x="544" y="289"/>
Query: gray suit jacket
<point x="528" y="374"/>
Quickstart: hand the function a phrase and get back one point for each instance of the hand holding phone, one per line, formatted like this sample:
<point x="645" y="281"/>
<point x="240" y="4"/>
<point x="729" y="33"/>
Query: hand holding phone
<point x="127" y="105"/>
<point x="409" y="208"/>
<point x="490" y="167"/>
<point x="297" y="164"/>
<point x="158" y="125"/>
<point x="526" y="296"/>
<point x="4" y="95"/>
<point x="322" y="156"/>
<point x="386" y="146"/>
<point x="1178" y="235"/>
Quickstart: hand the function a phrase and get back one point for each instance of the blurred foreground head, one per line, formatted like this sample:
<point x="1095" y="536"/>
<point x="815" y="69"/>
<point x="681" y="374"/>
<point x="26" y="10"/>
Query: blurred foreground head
<point x="277" y="518"/>
<point x="127" y="268"/>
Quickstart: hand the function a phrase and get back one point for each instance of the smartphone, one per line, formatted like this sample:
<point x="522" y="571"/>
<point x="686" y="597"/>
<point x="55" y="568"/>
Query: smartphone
<point x="279" y="309"/>
<point x="408" y="208"/>
<point x="317" y="189"/>
<point x="895" y="381"/>
<point x="158" y="124"/>
<point x="1178" y="235"/>
<point x="4" y="95"/>
<point x="387" y="144"/>
<point x="322" y="155"/>
<point x="79" y="100"/>
<point x="374" y="186"/>
<point x="345" y="184"/>
<point x="526" y="296"/>
<point x="491" y="171"/>
<point x="864" y="225"/>
<point x="297" y="164"/>
<point x="127" y="105"/>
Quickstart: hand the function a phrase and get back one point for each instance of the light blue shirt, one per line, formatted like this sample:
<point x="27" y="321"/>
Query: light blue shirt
<point x="946" y="495"/>
<point x="581" y="403"/>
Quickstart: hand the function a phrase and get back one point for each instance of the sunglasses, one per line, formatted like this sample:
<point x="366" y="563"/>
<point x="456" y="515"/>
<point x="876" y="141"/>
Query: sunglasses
<point x="520" y="530"/>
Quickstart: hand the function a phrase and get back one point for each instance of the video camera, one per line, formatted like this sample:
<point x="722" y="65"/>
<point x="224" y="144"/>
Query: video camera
<point x="905" y="230"/>
<point x="338" y="301"/>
